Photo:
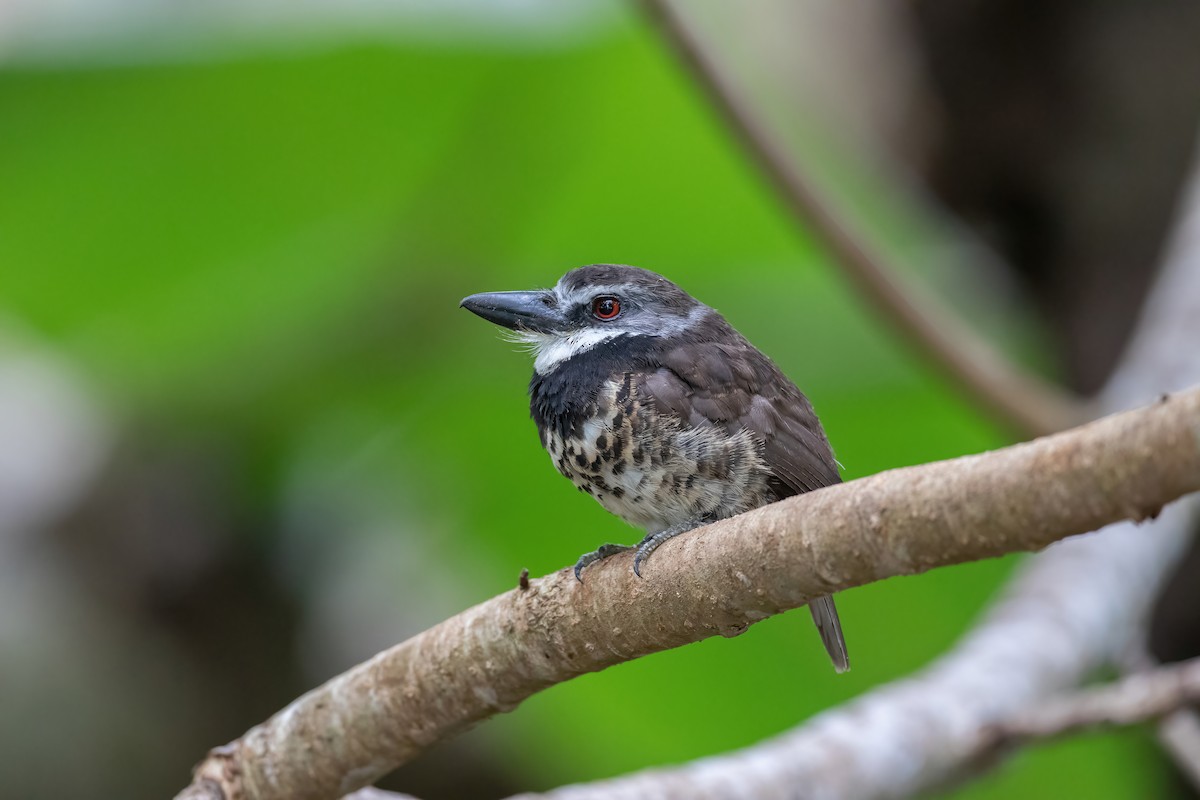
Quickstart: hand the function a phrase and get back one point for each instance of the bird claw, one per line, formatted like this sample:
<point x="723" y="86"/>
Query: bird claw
<point x="651" y="543"/>
<point x="644" y="549"/>
<point x="643" y="552"/>
<point x="600" y="553"/>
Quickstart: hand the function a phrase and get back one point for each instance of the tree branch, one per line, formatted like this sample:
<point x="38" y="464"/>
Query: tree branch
<point x="1179" y="735"/>
<point x="1019" y="398"/>
<point x="1179" y="732"/>
<point x="1068" y="611"/>
<point x="1136" y="698"/>
<point x="719" y="579"/>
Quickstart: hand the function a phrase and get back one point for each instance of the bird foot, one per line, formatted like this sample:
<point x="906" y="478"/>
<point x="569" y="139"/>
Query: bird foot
<point x="651" y="543"/>
<point x="602" y="552"/>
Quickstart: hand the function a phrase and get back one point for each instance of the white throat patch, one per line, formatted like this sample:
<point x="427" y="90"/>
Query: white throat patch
<point x="549" y="351"/>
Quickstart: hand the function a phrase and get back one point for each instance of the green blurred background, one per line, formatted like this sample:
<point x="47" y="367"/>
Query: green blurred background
<point x="250" y="260"/>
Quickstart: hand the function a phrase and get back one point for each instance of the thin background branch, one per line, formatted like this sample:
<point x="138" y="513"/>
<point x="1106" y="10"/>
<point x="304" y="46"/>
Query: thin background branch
<point x="1180" y="737"/>
<point x="1179" y="732"/>
<point x="1140" y="697"/>
<point x="1021" y="399"/>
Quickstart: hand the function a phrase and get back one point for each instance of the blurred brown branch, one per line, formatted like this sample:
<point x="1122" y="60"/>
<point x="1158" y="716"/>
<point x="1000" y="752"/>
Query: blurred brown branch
<point x="719" y="579"/>
<point x="1021" y="399"/>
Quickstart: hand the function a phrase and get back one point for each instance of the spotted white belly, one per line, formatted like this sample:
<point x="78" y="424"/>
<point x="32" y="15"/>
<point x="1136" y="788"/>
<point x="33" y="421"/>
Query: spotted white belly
<point x="654" y="472"/>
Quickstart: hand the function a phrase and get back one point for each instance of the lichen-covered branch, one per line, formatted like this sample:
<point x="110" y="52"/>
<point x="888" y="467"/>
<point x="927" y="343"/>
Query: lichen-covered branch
<point x="717" y="580"/>
<point x="1019" y="398"/>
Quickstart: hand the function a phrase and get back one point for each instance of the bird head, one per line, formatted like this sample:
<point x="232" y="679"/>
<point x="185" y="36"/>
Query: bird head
<point x="588" y="306"/>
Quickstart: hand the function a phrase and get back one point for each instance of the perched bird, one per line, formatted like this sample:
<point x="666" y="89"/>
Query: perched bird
<point x="649" y="401"/>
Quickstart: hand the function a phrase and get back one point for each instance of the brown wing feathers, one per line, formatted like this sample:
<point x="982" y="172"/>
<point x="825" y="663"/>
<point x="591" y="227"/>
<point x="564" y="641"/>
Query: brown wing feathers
<point x="737" y="387"/>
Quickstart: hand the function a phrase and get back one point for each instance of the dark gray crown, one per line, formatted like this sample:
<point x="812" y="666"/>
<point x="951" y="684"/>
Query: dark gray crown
<point x="618" y="277"/>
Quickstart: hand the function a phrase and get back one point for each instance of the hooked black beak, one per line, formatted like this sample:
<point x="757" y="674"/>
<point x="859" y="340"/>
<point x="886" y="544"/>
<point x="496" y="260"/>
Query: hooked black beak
<point x="523" y="311"/>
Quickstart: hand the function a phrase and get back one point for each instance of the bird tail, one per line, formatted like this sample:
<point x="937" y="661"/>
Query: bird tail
<point x="825" y="614"/>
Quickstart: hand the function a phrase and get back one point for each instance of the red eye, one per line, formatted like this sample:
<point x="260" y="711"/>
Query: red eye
<point x="606" y="308"/>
